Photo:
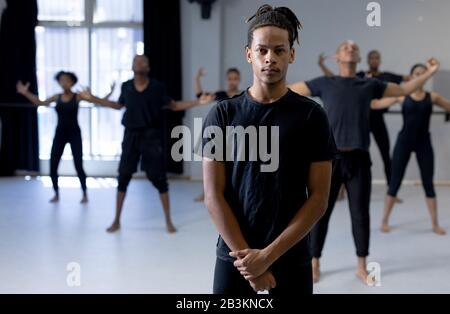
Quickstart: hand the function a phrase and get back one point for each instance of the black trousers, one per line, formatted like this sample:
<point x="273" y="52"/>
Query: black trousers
<point x="381" y="136"/>
<point x="62" y="137"/>
<point x="404" y="147"/>
<point x="353" y="170"/>
<point x="147" y="147"/>
<point x="291" y="278"/>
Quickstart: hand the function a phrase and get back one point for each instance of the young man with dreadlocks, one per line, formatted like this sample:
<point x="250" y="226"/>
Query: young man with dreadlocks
<point x="264" y="218"/>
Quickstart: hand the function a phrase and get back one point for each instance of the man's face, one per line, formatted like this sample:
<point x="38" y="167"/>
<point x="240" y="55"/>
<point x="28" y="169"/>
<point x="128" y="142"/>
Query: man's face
<point x="374" y="60"/>
<point x="141" y="65"/>
<point x="270" y="54"/>
<point x="233" y="80"/>
<point x="348" y="52"/>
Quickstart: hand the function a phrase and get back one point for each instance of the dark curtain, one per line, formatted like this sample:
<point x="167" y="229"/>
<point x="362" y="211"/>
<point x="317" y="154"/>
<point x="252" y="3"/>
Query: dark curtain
<point x="19" y="146"/>
<point x="162" y="39"/>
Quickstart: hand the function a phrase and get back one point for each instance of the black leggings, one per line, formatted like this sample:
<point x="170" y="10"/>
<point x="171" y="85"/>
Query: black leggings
<point x="291" y="279"/>
<point x="352" y="169"/>
<point x="425" y="158"/>
<point x="62" y="137"/>
<point x="381" y="136"/>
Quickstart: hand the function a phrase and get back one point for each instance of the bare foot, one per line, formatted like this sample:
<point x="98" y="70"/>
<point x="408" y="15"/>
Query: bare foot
<point x="170" y="227"/>
<point x="385" y="228"/>
<point x="438" y="230"/>
<point x="114" y="227"/>
<point x="85" y="199"/>
<point x="398" y="200"/>
<point x="315" y="270"/>
<point x="363" y="275"/>
<point x="55" y="199"/>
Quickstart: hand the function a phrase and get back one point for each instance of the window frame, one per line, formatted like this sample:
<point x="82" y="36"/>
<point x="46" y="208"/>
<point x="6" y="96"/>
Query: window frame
<point x="90" y="26"/>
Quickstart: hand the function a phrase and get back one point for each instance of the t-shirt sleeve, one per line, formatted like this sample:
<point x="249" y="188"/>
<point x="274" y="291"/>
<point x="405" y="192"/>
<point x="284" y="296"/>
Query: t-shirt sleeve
<point x="316" y="85"/>
<point x="321" y="146"/>
<point x="394" y="78"/>
<point x="122" y="96"/>
<point x="213" y="134"/>
<point x="378" y="88"/>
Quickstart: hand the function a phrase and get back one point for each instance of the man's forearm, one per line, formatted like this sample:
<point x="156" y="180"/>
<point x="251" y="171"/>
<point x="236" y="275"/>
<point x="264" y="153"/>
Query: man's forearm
<point x="226" y="223"/>
<point x="298" y="228"/>
<point x="412" y="85"/>
<point x="184" y="105"/>
<point x="105" y="103"/>
<point x="326" y="71"/>
<point x="198" y="86"/>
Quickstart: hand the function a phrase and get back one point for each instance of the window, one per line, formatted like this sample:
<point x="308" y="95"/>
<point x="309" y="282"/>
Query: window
<point x="115" y="64"/>
<point x="97" y="40"/>
<point x="56" y="10"/>
<point x="118" y="10"/>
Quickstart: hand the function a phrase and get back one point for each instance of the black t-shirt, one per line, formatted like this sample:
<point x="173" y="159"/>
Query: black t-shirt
<point x="219" y="96"/>
<point x="383" y="76"/>
<point x="144" y="109"/>
<point x="387" y="77"/>
<point x="264" y="203"/>
<point x="347" y="102"/>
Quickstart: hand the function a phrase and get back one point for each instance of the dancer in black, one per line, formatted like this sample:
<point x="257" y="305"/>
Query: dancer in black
<point x="264" y="217"/>
<point x="233" y="82"/>
<point x="377" y="124"/>
<point x="415" y="137"/>
<point x="347" y="99"/>
<point x="144" y="100"/>
<point x="67" y="129"/>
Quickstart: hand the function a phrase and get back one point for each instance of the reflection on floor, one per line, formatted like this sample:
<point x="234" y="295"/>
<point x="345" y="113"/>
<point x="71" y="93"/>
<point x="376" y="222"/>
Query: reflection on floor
<point x="43" y="245"/>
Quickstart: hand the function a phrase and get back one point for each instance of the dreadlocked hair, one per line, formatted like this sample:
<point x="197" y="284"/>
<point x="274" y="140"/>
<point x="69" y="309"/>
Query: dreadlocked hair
<point x="281" y="17"/>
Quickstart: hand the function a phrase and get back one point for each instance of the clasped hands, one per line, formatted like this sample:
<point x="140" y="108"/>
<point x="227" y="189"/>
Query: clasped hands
<point x="254" y="265"/>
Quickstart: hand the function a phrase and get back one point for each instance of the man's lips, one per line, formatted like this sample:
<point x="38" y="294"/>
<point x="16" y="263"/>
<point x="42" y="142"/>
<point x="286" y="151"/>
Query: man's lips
<point x="271" y="70"/>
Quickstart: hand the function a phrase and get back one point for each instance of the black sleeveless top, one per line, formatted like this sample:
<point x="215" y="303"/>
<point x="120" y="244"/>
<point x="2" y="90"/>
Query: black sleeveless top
<point x="416" y="117"/>
<point x="67" y="113"/>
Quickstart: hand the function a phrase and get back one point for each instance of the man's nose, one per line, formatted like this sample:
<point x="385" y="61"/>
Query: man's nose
<point x="269" y="57"/>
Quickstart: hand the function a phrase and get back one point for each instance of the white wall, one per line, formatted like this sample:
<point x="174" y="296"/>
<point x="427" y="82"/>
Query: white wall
<point x="411" y="31"/>
<point x="202" y="47"/>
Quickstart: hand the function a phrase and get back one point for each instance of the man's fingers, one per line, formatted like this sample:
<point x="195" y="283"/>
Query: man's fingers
<point x="248" y="277"/>
<point x="242" y="268"/>
<point x="238" y="263"/>
<point x="241" y="253"/>
<point x="273" y="283"/>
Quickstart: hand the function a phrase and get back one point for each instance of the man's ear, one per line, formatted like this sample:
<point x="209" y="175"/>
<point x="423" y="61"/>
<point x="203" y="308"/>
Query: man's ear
<point x="292" y="55"/>
<point x="248" y="54"/>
